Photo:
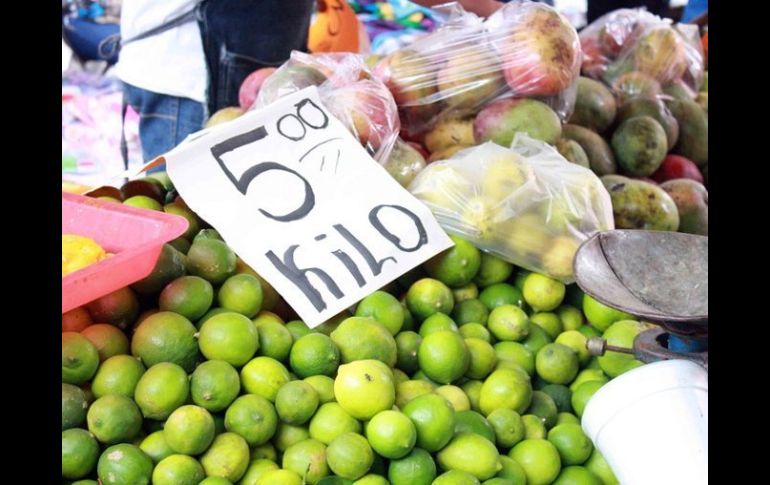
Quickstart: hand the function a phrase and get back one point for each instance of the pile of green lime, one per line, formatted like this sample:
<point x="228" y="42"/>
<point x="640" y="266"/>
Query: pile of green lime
<point x="472" y="372"/>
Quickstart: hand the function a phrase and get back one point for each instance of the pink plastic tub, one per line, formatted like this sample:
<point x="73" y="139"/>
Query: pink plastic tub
<point x="135" y="237"/>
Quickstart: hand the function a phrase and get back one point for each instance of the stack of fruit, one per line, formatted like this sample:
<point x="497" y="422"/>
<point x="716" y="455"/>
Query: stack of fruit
<point x="479" y="373"/>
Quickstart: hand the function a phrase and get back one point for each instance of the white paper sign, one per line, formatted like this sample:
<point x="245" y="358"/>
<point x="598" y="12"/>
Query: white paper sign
<point x="298" y="198"/>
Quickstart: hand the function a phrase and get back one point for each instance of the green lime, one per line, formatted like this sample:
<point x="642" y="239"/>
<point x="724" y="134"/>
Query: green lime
<point x="253" y="418"/>
<point x="621" y="334"/>
<point x="166" y="337"/>
<point x="533" y="427"/>
<point x="108" y="339"/>
<point x="160" y="390"/>
<point x="241" y="293"/>
<point x="428" y="296"/>
<point x="455" y="396"/>
<point x="465" y="292"/>
<point x="280" y="477"/>
<point x="307" y="458"/>
<point x="434" y="420"/>
<point x="407" y="343"/>
<point x="119" y="308"/>
<point x="156" y="446"/>
<point x="597" y="465"/>
<point x="266" y="451"/>
<point x="492" y="270"/>
<point x="258" y="467"/>
<point x="516" y="353"/>
<point x="470" y="311"/>
<point x="582" y="394"/>
<point x="364" y="388"/>
<point x="416" y="468"/>
<point x="473" y="422"/>
<point x="601" y="316"/>
<point x="443" y="356"/>
<point x="288" y="434"/>
<point x="384" y="308"/>
<point x="512" y="472"/>
<point x="561" y="396"/>
<point x="422" y="376"/>
<point x="391" y="434"/>
<point x="508" y="323"/>
<point x="505" y="388"/>
<point x="408" y="390"/>
<point x="543" y="293"/>
<point x="79" y="452"/>
<point x="536" y="340"/>
<point x="298" y="329"/>
<point x="455" y="266"/>
<point x="475" y="330"/>
<point x="349" y="456"/>
<point x="359" y="338"/>
<point x="586" y="375"/>
<point x="483" y="358"/>
<point x="189" y="296"/>
<point x="182" y="245"/>
<point x="501" y="294"/>
<point x="399" y="376"/>
<point x="79" y="358"/>
<point x="563" y="418"/>
<point x="556" y="364"/>
<point x="143" y="202"/>
<point x="296" y="402"/>
<point x="114" y="419"/>
<point x="178" y="470"/>
<point x="539" y="459"/>
<point x="169" y="266"/>
<point x="436" y="323"/>
<point x="215" y="481"/>
<point x="507" y="425"/>
<point x="577" y="342"/>
<point x="571" y="317"/>
<point x="75" y="320"/>
<point x="456" y="477"/>
<point x="211" y="259"/>
<point x="227" y="457"/>
<point x="189" y="430"/>
<point x="314" y="354"/>
<point x="471" y="453"/>
<point x="275" y="340"/>
<point x="549" y="322"/>
<point x="73" y="406"/>
<point x="576" y="475"/>
<point x="122" y="464"/>
<point x="214" y="385"/>
<point x="409" y="323"/>
<point x="573" y="444"/>
<point x="270" y="297"/>
<point x="331" y="421"/>
<point x="544" y="407"/>
<point x="472" y="389"/>
<point x="324" y="387"/>
<point x="371" y="479"/>
<point x="208" y="234"/>
<point x="230" y="337"/>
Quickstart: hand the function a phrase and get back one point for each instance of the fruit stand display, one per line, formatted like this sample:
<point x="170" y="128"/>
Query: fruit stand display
<point x="473" y="367"/>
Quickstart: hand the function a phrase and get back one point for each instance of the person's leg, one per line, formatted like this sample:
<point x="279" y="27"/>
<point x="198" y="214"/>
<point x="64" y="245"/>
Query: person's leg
<point x="164" y="121"/>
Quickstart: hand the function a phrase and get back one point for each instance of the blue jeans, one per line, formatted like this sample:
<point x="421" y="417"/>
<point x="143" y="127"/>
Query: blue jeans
<point x="164" y="121"/>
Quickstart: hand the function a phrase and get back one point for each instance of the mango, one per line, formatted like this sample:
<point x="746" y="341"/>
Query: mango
<point x="641" y="205"/>
<point x="693" y="140"/>
<point x="633" y="84"/>
<point x="656" y="109"/>
<point x="448" y="132"/>
<point x="600" y="157"/>
<point x="640" y="145"/>
<point x="573" y="152"/>
<point x="595" y="106"/>
<point x="692" y="202"/>
<point x="501" y="120"/>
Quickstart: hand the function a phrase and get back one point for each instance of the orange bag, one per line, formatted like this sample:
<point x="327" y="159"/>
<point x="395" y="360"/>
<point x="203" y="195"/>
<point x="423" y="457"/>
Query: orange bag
<point x="335" y="29"/>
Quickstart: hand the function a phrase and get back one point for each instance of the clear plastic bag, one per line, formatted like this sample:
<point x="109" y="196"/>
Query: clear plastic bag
<point x="349" y="91"/>
<point x="635" y="43"/>
<point x="526" y="204"/>
<point x="525" y="49"/>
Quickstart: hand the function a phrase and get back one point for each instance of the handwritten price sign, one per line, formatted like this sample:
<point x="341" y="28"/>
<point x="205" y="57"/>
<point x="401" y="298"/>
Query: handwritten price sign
<point x="298" y="198"/>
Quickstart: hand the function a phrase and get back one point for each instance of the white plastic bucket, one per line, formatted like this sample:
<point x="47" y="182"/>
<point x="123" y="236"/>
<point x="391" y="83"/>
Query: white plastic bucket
<point x="651" y="424"/>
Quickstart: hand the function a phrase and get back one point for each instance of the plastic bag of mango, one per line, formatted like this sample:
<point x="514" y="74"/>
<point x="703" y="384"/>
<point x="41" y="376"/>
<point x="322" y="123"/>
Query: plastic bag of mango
<point x="526" y="204"/>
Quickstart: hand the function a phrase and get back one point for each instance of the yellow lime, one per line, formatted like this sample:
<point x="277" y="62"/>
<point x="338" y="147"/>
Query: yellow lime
<point x="330" y="421"/>
<point x="307" y="458"/>
<point x="227" y="457"/>
<point x="539" y="459"/>
<point x="543" y="293"/>
<point x="507" y="425"/>
<point x="483" y="358"/>
<point x="455" y="396"/>
<point x="549" y="322"/>
<point x="264" y="376"/>
<point x="428" y="296"/>
<point x="296" y="402"/>
<point x="505" y="388"/>
<point x="324" y="387"/>
<point x="189" y="430"/>
<point x="364" y="388"/>
<point x="508" y="323"/>
<point x="349" y="456"/>
<point x="471" y="453"/>
<point x="556" y="363"/>
<point x="601" y="316"/>
<point x="408" y="390"/>
<point x="359" y="338"/>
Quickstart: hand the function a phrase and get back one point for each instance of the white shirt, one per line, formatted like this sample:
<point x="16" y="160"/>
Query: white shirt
<point x="171" y="62"/>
